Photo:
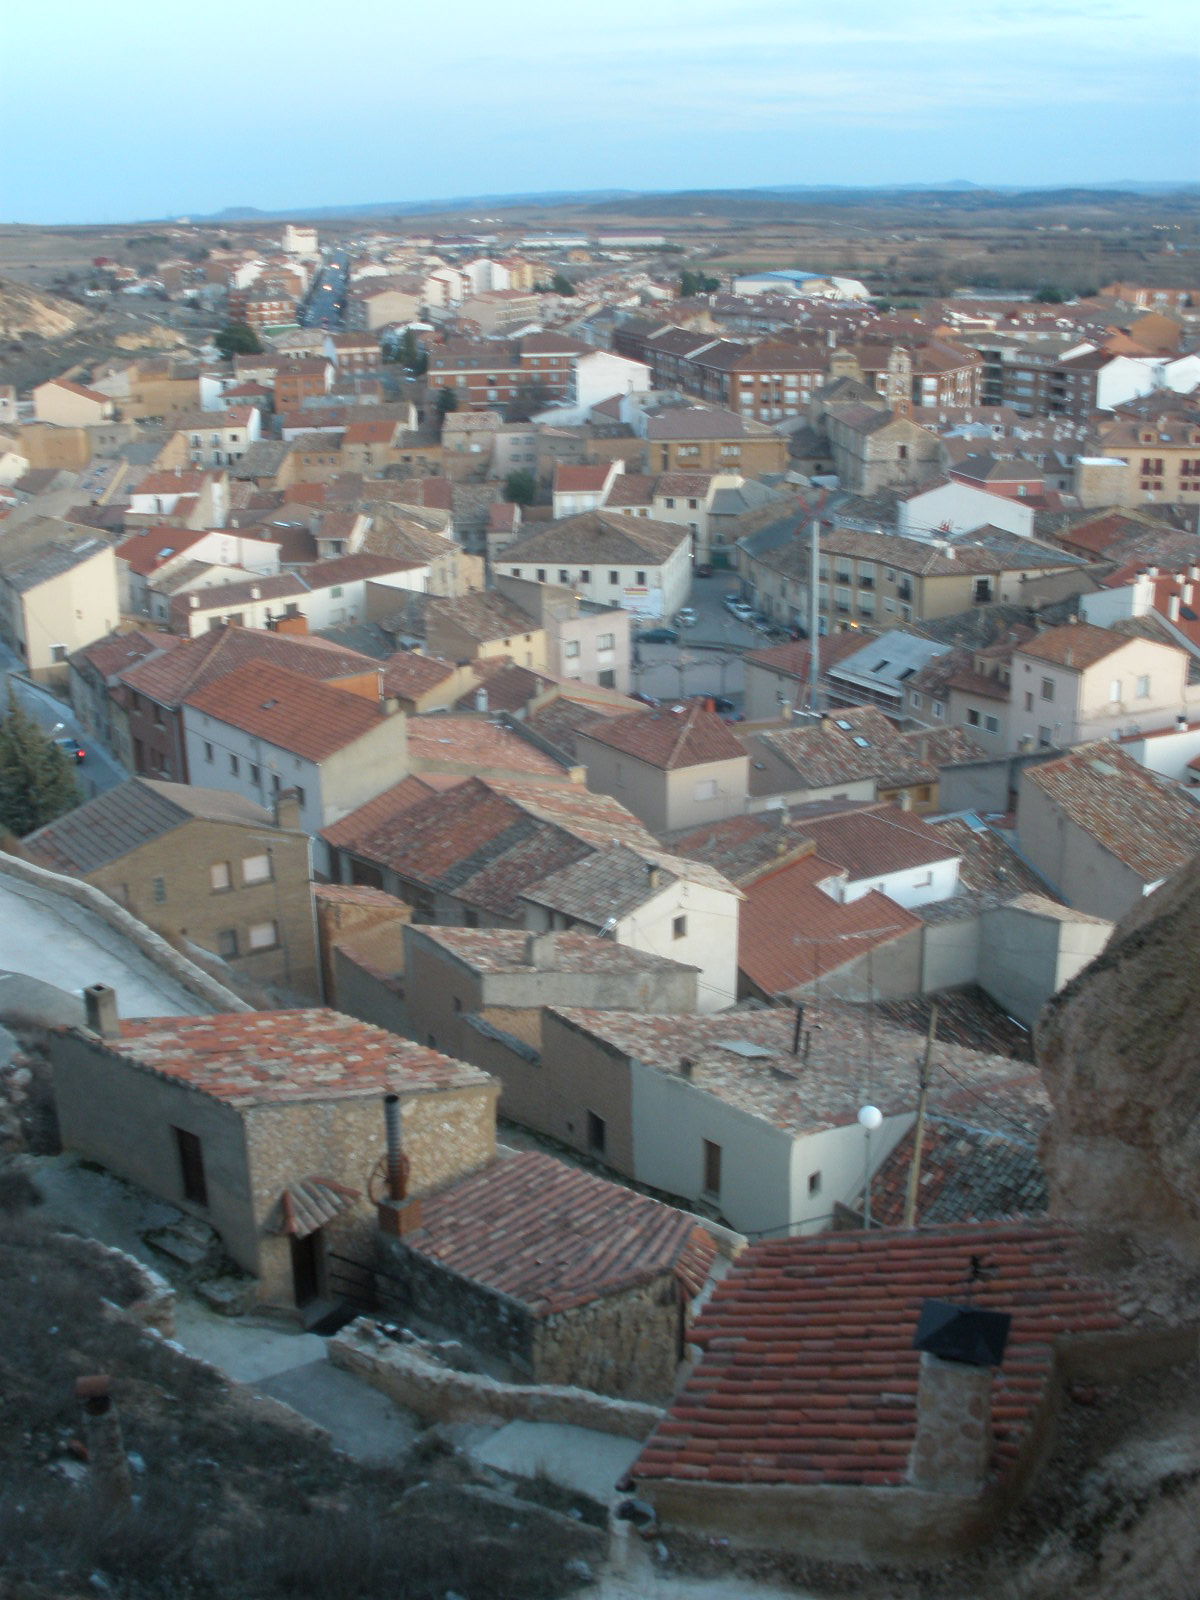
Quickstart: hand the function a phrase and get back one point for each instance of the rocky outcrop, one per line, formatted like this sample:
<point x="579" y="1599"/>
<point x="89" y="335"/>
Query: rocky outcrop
<point x="24" y="310"/>
<point x="1119" y="1049"/>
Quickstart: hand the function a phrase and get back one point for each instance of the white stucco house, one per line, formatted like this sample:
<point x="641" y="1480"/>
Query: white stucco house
<point x="642" y="565"/>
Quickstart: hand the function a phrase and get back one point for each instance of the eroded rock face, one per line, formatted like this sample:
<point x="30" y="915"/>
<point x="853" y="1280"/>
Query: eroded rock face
<point x="1119" y="1048"/>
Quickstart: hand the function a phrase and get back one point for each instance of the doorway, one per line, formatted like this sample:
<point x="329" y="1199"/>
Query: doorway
<point x="306" y="1268"/>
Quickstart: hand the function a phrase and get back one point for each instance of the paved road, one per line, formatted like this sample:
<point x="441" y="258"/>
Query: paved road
<point x="101" y="770"/>
<point x="708" y="657"/>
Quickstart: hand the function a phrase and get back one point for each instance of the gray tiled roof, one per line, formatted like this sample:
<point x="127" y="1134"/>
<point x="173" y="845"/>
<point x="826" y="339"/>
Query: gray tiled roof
<point x="104" y="829"/>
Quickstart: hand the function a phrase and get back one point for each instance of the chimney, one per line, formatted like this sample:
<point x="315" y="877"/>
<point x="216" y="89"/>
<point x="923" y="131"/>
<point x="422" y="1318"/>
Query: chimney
<point x="100" y="1003"/>
<point x="960" y="1345"/>
<point x="286" y="808"/>
<point x="1181" y="723"/>
<point x="539" y="949"/>
<point x="1173" y="608"/>
<point x="390" y="705"/>
<point x="481" y="699"/>
<point x="686" y="1066"/>
<point x="798" y="1027"/>
<point x="399" y="1214"/>
<point x="653" y="875"/>
<point x="110" y="1478"/>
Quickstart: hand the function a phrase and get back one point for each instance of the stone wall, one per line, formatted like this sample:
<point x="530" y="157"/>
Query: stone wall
<point x="411" y="1284"/>
<point x="626" y="1344"/>
<point x="440" y="1394"/>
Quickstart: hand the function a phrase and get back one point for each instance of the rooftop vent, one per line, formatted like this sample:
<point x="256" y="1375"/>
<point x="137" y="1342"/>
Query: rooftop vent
<point x="747" y="1048"/>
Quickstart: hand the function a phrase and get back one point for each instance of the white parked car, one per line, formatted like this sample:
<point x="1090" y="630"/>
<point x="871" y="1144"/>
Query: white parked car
<point x="685" y="617"/>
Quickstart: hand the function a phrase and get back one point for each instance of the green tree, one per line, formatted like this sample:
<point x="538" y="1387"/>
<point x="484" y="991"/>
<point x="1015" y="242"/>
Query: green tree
<point x="693" y="283"/>
<point x="561" y="284"/>
<point x="409" y="353"/>
<point x="447" y="401"/>
<point x="1050" y="295"/>
<point x="520" y="487"/>
<point x="237" y="338"/>
<point x="37" y="782"/>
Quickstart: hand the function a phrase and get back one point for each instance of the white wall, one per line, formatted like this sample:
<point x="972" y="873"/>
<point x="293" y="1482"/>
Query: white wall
<point x="963" y="509"/>
<point x="710" y="942"/>
<point x="1168" y="754"/>
<point x="601" y="375"/>
<point x="915" y="886"/>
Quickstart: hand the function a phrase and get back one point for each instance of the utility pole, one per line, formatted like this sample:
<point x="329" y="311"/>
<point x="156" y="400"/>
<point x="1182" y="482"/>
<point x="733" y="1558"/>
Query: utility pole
<point x="914" y="1170"/>
<point x="814" y="615"/>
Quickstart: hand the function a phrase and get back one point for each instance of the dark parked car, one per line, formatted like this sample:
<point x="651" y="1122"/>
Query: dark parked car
<point x="658" y="636"/>
<point x="72" y="748"/>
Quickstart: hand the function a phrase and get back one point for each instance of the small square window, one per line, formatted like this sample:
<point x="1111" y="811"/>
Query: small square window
<point x="256" y="869"/>
<point x="227" y="943"/>
<point x="679" y="928"/>
<point x="263" y="935"/>
<point x="219" y="876"/>
<point x="1047" y="688"/>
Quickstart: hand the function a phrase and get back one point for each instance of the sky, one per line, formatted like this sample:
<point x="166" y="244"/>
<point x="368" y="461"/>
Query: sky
<point x="129" y="110"/>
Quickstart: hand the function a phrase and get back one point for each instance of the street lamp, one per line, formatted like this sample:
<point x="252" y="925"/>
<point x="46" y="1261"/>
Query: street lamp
<point x="870" y="1118"/>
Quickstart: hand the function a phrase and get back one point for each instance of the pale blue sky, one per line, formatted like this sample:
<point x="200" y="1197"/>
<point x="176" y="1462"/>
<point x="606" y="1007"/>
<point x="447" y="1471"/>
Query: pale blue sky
<point x="123" y="109"/>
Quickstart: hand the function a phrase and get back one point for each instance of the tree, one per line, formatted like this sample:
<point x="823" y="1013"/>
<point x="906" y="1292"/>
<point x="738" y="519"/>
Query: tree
<point x="37" y="783"/>
<point x="561" y="284"/>
<point x="447" y="401"/>
<point x="693" y="283"/>
<point x="1050" y="295"/>
<point x="409" y="354"/>
<point x="520" y="487"/>
<point x="237" y="338"/>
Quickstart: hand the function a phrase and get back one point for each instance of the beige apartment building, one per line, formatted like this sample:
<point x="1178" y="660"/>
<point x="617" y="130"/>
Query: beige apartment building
<point x="1162" y="458"/>
<point x="70" y="405"/>
<point x="200" y="865"/>
<point x="56" y="596"/>
<point x="1077" y="683"/>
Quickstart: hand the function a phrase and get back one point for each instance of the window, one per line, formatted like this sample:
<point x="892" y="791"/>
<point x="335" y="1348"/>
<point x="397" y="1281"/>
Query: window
<point x="191" y="1166"/>
<point x="219" y="876"/>
<point x="597" y="1133"/>
<point x="1047" y="688"/>
<point x="586" y="575"/>
<point x="939" y="709"/>
<point x="233" y="765"/>
<point x="160" y="891"/>
<point x="227" y="943"/>
<point x="1143" y="688"/>
<point x="640" y="578"/>
<point x="814" y="1183"/>
<point x="712" y="1167"/>
<point x="255" y="774"/>
<point x="916" y="701"/>
<point x="705" y="789"/>
<point x="679" y="928"/>
<point x="614" y="577"/>
<point x="571" y="649"/>
<point x="208" y="753"/>
<point x="1029" y="702"/>
<point x="973" y="718"/>
<point x="336" y="592"/>
<point x="991" y="724"/>
<point x="563" y="575"/>
<point x="1114" y="689"/>
<point x="606" y="641"/>
<point x="541" y="574"/>
<point x="299" y="792"/>
<point x="263" y="935"/>
<point x="256" y="869"/>
<point x="1044" y="738"/>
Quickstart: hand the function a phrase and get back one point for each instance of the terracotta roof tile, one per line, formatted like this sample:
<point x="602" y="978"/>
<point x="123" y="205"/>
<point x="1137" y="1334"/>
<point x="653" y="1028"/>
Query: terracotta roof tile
<point x="553" y="1236"/>
<point x="439" y="739"/>
<point x="684" y="736"/>
<point x="168" y="677"/>
<point x="249" y="1058"/>
<point x="808" y="1373"/>
<point x="309" y="718"/>
<point x="1075" y="644"/>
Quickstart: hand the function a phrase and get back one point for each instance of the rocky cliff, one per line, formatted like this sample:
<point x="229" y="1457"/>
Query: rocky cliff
<point x="1119" y="1048"/>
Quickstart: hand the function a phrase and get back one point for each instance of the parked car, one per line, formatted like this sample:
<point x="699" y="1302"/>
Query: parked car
<point x="738" y="608"/>
<point x="71" y="748"/>
<point x="646" y="699"/>
<point x="658" y="636"/>
<point x="686" y="617"/>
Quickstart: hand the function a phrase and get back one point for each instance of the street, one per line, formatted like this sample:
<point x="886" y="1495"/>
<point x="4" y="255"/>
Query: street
<point x="100" y="770"/>
<point x="708" y="657"/>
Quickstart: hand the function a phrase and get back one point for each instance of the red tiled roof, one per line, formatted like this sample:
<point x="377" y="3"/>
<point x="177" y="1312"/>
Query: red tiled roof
<point x="285" y="709"/>
<point x="408" y="674"/>
<point x="791" y="932"/>
<point x="1075" y="644"/>
<point x="553" y="1236"/>
<point x="145" y="552"/>
<point x="117" y="652"/>
<point x="570" y="479"/>
<point x="671" y="738"/>
<point x="356" y="894"/>
<point x="809" y="1376"/>
<point x="192" y="663"/>
<point x="171" y="483"/>
<point x="873" y="841"/>
<point x="351" y="831"/>
<point x="438" y="740"/>
<point x="248" y="1058"/>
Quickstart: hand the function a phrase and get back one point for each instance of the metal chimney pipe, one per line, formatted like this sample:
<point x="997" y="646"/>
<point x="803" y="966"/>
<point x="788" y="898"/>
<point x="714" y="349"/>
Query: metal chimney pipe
<point x="397" y="1166"/>
<point x="797" y="1027"/>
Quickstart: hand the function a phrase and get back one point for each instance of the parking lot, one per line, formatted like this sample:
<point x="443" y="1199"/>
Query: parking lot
<point x="708" y="657"/>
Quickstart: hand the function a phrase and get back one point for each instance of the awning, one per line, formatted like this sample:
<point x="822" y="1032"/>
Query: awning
<point x="306" y="1206"/>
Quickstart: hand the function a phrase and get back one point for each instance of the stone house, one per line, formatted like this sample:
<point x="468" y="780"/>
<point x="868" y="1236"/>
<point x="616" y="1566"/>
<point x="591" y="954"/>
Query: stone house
<point x="268" y="1126"/>
<point x="816" y="1420"/>
<point x="708" y="439"/>
<point x="674" y="768"/>
<point x="202" y="868"/>
<point x="566" y="1278"/>
<point x="873" y="449"/>
<point x="482" y="625"/>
